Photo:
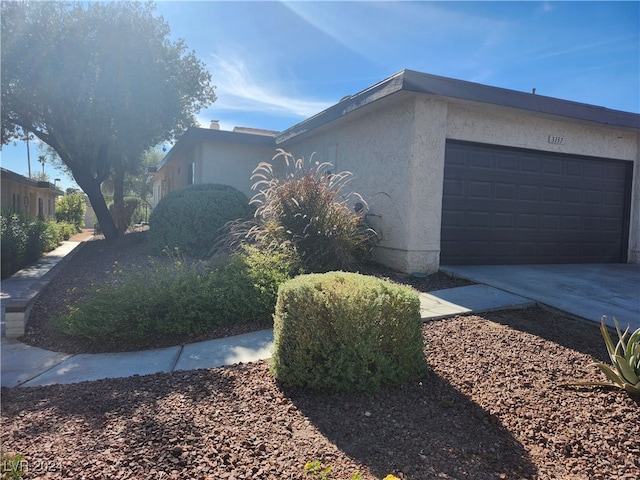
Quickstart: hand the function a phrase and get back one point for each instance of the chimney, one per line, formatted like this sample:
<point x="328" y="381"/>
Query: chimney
<point x="214" y="125"/>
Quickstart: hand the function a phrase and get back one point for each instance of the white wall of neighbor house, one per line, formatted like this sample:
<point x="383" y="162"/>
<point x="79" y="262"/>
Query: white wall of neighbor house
<point x="479" y="122"/>
<point x="230" y="164"/>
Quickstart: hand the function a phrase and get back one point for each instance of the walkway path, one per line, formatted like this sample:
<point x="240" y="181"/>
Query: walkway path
<point x="27" y="366"/>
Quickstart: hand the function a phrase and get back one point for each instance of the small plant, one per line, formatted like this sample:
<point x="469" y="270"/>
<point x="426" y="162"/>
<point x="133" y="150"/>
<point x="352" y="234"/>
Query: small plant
<point x="625" y="357"/>
<point x="315" y="469"/>
<point x="12" y="467"/>
<point x="181" y="296"/>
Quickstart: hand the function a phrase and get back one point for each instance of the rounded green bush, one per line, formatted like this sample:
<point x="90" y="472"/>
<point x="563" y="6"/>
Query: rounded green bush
<point x="189" y="219"/>
<point x="343" y="331"/>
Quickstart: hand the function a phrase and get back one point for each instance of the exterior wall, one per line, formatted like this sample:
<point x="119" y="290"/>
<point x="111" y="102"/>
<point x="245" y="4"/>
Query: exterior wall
<point x="230" y="164"/>
<point x="380" y="145"/>
<point x="213" y="162"/>
<point x="510" y="127"/>
<point x="395" y="147"/>
<point x="25" y="196"/>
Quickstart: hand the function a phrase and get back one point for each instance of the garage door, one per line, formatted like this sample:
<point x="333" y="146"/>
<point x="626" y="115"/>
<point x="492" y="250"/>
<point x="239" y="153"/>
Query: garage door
<point x="511" y="206"/>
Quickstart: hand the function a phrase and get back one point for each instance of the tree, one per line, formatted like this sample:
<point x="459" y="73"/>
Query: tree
<point x="71" y="208"/>
<point x="100" y="83"/>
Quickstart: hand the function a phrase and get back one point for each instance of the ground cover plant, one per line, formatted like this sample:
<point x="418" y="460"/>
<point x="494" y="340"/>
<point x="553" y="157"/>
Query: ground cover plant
<point x="180" y="296"/>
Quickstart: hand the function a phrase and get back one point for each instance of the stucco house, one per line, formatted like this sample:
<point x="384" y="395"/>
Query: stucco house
<point x="24" y="195"/>
<point x="456" y="172"/>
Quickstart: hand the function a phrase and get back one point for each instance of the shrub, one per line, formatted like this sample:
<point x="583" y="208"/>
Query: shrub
<point x="25" y="239"/>
<point x="131" y="205"/>
<point x="345" y="331"/>
<point x="309" y="210"/>
<point x="181" y="297"/>
<point x="71" y="209"/>
<point x="13" y="246"/>
<point x="190" y="218"/>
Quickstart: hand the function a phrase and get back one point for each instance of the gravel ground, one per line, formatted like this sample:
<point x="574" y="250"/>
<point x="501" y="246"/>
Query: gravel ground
<point x="492" y="406"/>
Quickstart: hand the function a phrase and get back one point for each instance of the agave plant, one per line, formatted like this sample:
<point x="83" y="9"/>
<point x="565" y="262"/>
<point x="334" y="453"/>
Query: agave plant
<point x="625" y="357"/>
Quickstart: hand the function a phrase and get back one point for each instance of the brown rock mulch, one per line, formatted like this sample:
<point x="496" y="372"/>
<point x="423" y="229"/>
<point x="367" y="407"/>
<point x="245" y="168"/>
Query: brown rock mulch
<point x="491" y="407"/>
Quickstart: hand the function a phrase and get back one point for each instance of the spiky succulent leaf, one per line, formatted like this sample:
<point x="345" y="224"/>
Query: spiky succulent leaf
<point x="625" y="370"/>
<point x="607" y="339"/>
<point x="632" y="389"/>
<point x="610" y="373"/>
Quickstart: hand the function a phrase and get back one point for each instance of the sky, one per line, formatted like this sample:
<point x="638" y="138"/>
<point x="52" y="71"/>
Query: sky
<point x="277" y="63"/>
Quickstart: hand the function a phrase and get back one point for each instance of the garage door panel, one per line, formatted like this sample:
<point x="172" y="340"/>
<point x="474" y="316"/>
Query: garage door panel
<point x="505" y="205"/>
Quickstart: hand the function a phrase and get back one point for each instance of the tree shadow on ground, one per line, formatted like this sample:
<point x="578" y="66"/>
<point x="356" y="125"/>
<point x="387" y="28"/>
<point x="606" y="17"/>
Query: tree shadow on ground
<point x="425" y="429"/>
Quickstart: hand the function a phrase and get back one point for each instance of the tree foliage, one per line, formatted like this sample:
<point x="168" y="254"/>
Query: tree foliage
<point x="100" y="83"/>
<point x="70" y="208"/>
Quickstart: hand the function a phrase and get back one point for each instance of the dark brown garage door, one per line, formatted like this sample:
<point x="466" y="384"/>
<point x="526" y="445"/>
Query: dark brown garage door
<point x="511" y="206"/>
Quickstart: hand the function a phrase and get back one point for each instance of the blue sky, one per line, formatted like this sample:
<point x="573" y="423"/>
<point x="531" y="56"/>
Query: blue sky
<point x="277" y="63"/>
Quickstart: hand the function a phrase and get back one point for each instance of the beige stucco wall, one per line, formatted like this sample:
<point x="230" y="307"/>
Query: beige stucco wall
<point x="395" y="148"/>
<point x="230" y="164"/>
<point x="396" y="168"/>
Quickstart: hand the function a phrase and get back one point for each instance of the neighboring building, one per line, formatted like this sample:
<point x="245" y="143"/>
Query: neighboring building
<point x="26" y="196"/>
<point x="457" y="172"/>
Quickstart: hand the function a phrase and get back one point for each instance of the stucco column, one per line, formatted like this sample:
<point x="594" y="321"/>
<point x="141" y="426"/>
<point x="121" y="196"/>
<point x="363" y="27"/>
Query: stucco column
<point x="426" y="164"/>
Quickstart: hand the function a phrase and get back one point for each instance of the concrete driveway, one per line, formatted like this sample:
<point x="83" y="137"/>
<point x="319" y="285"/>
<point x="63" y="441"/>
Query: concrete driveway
<point x="588" y="290"/>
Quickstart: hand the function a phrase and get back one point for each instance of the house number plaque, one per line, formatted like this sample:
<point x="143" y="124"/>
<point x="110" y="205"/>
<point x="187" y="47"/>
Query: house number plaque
<point x="555" y="139"/>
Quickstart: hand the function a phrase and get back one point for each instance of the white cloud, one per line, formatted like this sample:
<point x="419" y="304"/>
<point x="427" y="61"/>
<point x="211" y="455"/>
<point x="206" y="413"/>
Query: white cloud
<point x="241" y="88"/>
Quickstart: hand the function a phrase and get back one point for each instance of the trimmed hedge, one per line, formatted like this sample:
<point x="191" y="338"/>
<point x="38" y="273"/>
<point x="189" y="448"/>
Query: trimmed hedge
<point x="343" y="331"/>
<point x="190" y="219"/>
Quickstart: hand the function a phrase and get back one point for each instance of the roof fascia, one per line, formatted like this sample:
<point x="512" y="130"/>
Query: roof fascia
<point x="418" y="82"/>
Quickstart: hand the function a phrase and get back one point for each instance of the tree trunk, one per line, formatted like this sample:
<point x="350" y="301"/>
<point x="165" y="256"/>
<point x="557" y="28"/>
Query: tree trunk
<point x="119" y="210"/>
<point x="91" y="187"/>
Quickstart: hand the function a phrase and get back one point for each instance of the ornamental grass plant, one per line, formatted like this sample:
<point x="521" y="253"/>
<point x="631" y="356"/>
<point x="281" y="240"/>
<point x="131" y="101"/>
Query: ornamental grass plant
<point x="307" y="208"/>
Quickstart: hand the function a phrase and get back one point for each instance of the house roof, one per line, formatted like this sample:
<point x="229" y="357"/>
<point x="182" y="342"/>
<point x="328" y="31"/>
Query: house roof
<point x="260" y="138"/>
<point x="16" y="177"/>
<point x="412" y="81"/>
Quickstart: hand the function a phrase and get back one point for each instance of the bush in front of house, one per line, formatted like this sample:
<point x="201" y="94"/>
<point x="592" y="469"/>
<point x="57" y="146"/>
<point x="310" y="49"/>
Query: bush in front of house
<point x="14" y="236"/>
<point x="190" y="219"/>
<point x="25" y="239"/>
<point x="308" y="208"/>
<point x="342" y="331"/>
<point x="181" y="296"/>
